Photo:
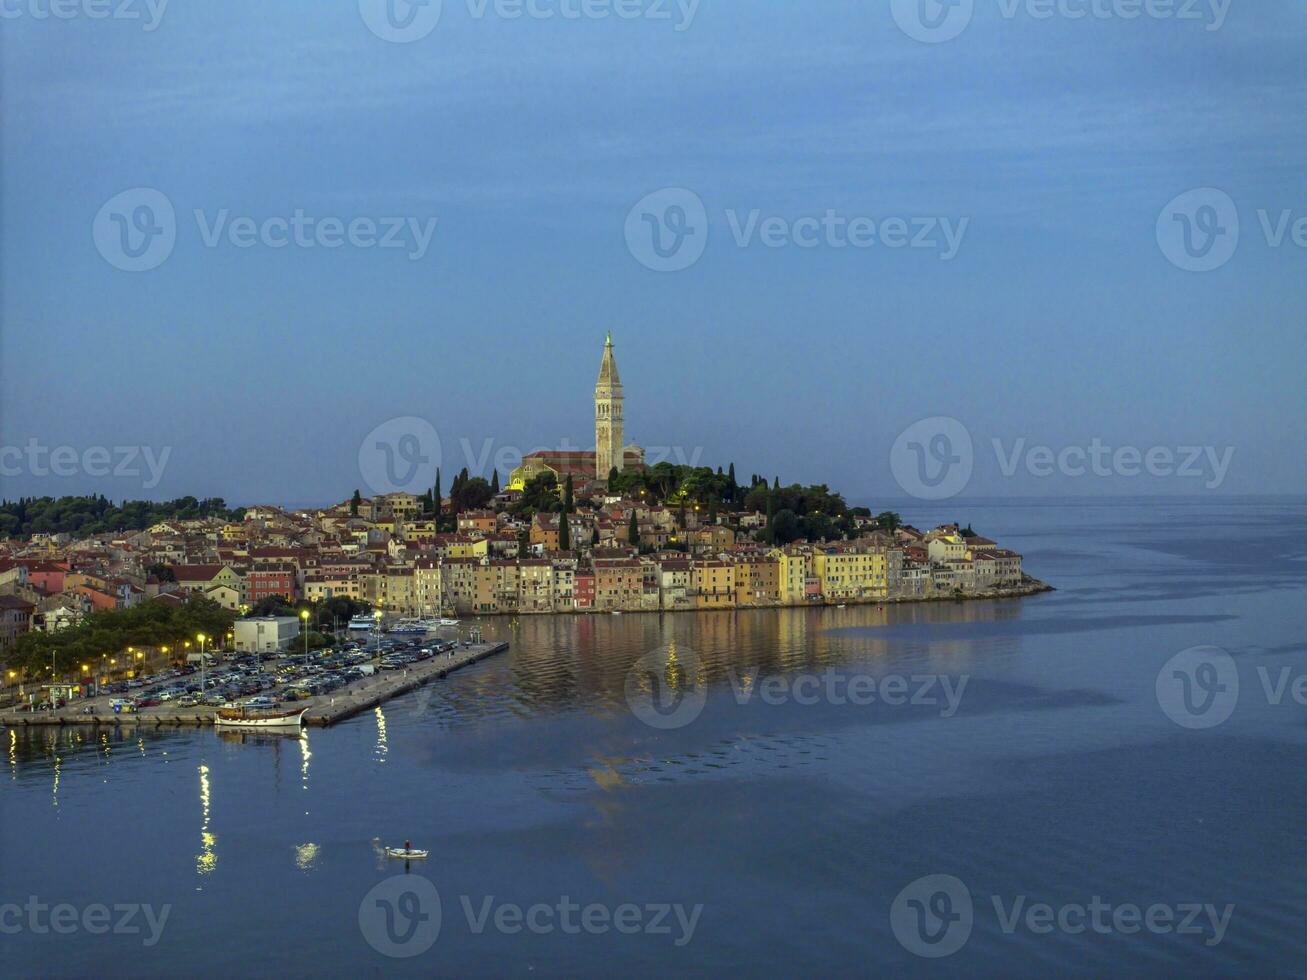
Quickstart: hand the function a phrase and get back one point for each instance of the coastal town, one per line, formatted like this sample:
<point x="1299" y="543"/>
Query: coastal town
<point x="569" y="532"/>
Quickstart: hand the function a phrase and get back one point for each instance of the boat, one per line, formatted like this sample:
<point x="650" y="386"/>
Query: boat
<point x="362" y="623"/>
<point x="243" y="717"/>
<point x="448" y="622"/>
<point x="409" y="626"/>
<point x="407" y="853"/>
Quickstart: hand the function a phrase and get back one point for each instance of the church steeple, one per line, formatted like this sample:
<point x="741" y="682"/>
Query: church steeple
<point x="608" y="415"/>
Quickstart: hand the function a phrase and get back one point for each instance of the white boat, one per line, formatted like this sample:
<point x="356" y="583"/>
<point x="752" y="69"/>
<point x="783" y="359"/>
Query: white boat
<point x="242" y="717"/>
<point x="362" y="623"/>
<point x="407" y="853"/>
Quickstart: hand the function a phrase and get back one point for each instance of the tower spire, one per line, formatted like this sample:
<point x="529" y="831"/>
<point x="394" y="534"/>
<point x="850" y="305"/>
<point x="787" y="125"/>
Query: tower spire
<point x="608" y="415"/>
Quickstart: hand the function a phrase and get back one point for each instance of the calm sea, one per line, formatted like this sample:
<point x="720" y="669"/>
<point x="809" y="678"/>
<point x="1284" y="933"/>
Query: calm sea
<point x="1070" y="814"/>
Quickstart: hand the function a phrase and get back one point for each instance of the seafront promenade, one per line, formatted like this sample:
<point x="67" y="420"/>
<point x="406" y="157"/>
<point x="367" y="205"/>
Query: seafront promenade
<point x="323" y="710"/>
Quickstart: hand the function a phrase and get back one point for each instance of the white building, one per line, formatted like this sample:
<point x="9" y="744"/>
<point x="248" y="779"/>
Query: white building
<point x="268" y="634"/>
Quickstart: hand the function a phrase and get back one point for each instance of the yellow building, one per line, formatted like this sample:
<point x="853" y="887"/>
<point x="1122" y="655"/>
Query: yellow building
<point x="792" y="574"/>
<point x="712" y="584"/>
<point x="851" y="573"/>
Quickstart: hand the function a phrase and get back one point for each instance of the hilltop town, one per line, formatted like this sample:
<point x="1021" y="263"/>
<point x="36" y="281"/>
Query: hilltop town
<point x="570" y="532"/>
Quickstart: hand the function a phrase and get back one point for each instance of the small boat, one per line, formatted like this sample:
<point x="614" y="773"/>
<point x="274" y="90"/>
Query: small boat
<point x="448" y="622"/>
<point x="617" y="612"/>
<point x="243" y="717"/>
<point x="407" y="853"/>
<point x="362" y="623"/>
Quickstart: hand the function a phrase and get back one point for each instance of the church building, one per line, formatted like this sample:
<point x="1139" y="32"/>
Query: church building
<point x="609" y="450"/>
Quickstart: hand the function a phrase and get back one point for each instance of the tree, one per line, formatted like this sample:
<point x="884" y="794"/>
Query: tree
<point x="680" y="515"/>
<point x="568" y="504"/>
<point x="889" y="520"/>
<point x="564" y="532"/>
<point x="613" y="476"/>
<point x="354" y="503"/>
<point x="712" y="511"/>
<point x="494" y="483"/>
<point x="784" y="527"/>
<point x="436" y="498"/>
<point x="734" y="487"/>
<point x="523" y="543"/>
<point x="633" y="531"/>
<point x="472" y="494"/>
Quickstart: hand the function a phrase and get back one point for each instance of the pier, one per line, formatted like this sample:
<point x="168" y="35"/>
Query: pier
<point x="323" y="710"/>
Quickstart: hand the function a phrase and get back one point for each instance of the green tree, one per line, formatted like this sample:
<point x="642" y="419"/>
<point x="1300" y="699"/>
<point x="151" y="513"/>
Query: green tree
<point x="889" y="520"/>
<point x="613" y="477"/>
<point x="633" y="531"/>
<point x="354" y="503"/>
<point x="569" y="505"/>
<point x="494" y="484"/>
<point x="564" y="532"/>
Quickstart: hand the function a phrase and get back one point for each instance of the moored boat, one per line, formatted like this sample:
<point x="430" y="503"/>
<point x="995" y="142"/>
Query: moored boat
<point x="407" y="853"/>
<point x="242" y="717"/>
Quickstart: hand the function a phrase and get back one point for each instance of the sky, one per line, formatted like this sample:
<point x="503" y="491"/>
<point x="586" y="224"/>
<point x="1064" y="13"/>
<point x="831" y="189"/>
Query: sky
<point x="899" y="248"/>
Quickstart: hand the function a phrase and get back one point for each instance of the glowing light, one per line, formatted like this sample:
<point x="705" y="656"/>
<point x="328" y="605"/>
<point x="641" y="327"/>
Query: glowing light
<point x="306" y="855"/>
<point x="382" y="748"/>
<point x="207" y="859"/>
<point x="305" y="756"/>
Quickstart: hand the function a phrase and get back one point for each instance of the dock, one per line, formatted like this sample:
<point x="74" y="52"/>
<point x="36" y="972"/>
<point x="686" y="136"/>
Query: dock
<point x="323" y="710"/>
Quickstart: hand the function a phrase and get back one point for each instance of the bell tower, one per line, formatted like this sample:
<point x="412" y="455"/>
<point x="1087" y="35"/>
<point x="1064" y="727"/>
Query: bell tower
<point x="608" y="415"/>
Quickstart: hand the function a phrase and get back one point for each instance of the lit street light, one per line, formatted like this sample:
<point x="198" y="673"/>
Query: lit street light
<point x="304" y="628"/>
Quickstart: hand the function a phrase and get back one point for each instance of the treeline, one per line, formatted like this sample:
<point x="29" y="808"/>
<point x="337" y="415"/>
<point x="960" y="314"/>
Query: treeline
<point x="85" y="516"/>
<point x="110" y="632"/>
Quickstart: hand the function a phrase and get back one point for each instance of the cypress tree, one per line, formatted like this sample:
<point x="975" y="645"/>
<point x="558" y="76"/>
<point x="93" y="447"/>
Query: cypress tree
<point x="564" y="533"/>
<point x="354" y="503"/>
<point x="494" y="483"/>
<point x="435" y="500"/>
<point x="568" y="503"/>
<point x="633" y="532"/>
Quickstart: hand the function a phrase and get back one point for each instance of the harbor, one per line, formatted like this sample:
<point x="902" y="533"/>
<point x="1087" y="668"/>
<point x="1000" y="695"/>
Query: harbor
<point x="319" y="711"/>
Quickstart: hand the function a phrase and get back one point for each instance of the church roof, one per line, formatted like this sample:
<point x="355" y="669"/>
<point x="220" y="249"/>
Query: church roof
<point x="608" y="367"/>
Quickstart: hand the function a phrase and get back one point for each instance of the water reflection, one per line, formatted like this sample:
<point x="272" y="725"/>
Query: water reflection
<point x="207" y="859"/>
<point x="305" y="756"/>
<point x="306" y="855"/>
<point x="382" y="748"/>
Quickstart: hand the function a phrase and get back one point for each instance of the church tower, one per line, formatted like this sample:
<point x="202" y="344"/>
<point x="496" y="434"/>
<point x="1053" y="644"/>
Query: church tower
<point x="608" y="415"/>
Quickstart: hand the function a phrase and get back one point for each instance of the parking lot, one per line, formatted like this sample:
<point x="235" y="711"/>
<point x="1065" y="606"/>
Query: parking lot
<point x="263" y="680"/>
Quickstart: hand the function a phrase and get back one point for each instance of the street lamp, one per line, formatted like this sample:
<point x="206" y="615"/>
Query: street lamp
<point x="203" y="687"/>
<point x="304" y="628"/>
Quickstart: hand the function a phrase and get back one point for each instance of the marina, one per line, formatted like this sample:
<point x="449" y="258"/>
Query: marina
<point x="319" y="711"/>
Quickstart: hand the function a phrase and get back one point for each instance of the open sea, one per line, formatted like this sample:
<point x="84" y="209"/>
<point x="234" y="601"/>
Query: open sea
<point x="1034" y="787"/>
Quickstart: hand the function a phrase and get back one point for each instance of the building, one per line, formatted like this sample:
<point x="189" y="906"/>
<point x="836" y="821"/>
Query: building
<point x="15" y="619"/>
<point x="609" y="424"/>
<point x="267" y="634"/>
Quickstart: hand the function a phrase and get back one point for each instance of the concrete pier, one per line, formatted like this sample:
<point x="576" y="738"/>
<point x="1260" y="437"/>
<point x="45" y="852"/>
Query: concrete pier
<point x="323" y="710"/>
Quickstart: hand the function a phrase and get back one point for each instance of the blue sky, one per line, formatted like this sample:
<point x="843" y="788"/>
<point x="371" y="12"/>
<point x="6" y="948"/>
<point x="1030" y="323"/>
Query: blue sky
<point x="261" y="370"/>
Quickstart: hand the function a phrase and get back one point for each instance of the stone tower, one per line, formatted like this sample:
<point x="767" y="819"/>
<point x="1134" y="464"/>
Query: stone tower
<point x="608" y="415"/>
